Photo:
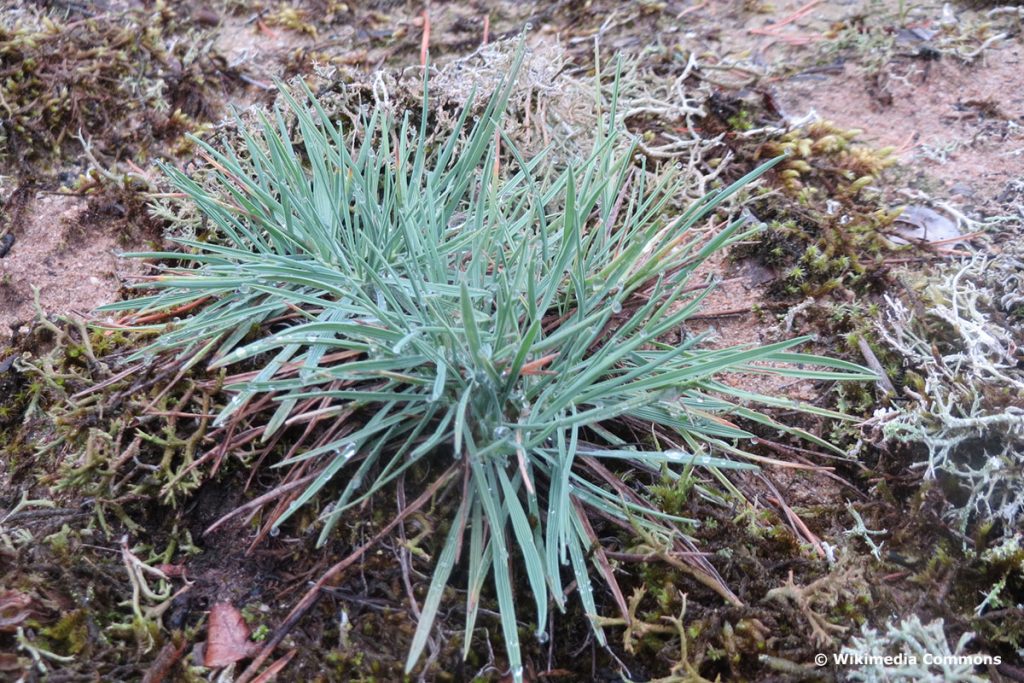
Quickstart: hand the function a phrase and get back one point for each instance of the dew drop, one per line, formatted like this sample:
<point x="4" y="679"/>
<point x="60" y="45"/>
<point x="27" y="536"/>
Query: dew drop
<point x="542" y="637"/>
<point x="274" y="532"/>
<point x="501" y="433"/>
<point x="754" y="441"/>
<point x="616" y="307"/>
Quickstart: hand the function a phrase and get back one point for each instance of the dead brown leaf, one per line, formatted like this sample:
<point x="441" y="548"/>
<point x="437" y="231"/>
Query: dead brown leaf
<point x="228" y="637"/>
<point x="13" y="610"/>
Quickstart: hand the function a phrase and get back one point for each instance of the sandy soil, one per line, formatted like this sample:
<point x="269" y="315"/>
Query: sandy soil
<point x="961" y="124"/>
<point x="65" y="252"/>
<point x="958" y="126"/>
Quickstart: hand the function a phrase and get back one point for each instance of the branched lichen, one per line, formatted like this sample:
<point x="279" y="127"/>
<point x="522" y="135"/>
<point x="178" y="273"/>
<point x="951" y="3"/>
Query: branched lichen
<point x="916" y="652"/>
<point x="963" y="343"/>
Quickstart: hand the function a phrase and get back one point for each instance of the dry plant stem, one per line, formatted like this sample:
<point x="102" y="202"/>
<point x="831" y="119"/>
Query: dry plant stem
<point x="256" y="503"/>
<point x="313" y="594"/>
<point x="794" y="520"/>
<point x="797" y="14"/>
<point x="634" y="626"/>
<point x="275" y="668"/>
<point x="684" y="671"/>
<point x="662" y="552"/>
<point x="425" y="43"/>
<point x="695" y="8"/>
<point x="603" y="563"/>
<point x="164" y="662"/>
<point x="404" y="553"/>
<point x="884" y="383"/>
<point x="693" y="563"/>
<point x="745" y="310"/>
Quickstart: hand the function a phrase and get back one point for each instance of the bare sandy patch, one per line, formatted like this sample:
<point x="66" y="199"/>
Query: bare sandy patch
<point x="67" y="254"/>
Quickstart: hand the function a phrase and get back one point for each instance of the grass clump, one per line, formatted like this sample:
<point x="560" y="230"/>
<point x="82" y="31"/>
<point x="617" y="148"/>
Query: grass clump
<point x="436" y="300"/>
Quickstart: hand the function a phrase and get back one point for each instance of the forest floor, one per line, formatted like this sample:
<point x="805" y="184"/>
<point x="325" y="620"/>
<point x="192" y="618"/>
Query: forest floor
<point x="108" y="573"/>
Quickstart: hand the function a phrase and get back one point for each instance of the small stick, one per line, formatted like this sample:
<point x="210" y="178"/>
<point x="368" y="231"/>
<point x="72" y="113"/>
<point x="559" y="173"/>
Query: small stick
<point x="906" y="145"/>
<point x="487" y="29"/>
<point x="690" y="10"/>
<point x="275" y="668"/>
<point x="264" y="29"/>
<point x="164" y="662"/>
<point x="790" y="19"/>
<point x="710" y="315"/>
<point x="602" y="561"/>
<point x="872" y="360"/>
<point x="791" y="40"/>
<point x="794" y="520"/>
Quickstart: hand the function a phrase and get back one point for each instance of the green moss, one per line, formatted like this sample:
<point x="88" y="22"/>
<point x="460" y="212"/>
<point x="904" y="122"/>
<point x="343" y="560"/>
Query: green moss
<point x="62" y="76"/>
<point x="673" y="495"/>
<point x="741" y="121"/>
<point x="61" y="542"/>
<point x="70" y="635"/>
<point x="825" y="231"/>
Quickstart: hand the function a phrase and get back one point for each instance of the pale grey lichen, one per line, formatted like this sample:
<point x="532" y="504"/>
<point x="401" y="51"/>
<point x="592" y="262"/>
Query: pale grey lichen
<point x="861" y="531"/>
<point x="909" y="652"/>
<point x="964" y="340"/>
<point x="1007" y="558"/>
